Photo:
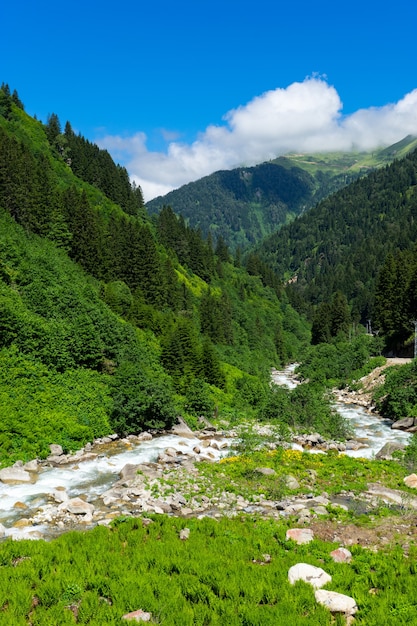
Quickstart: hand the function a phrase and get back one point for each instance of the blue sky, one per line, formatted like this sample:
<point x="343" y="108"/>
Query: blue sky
<point x="177" y="90"/>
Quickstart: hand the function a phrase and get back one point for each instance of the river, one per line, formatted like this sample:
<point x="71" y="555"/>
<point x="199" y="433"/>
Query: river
<point x="372" y="430"/>
<point x="90" y="479"/>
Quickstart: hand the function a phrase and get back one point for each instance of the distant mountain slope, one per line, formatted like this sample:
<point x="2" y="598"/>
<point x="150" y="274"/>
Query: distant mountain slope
<point x="246" y="204"/>
<point x="341" y="244"/>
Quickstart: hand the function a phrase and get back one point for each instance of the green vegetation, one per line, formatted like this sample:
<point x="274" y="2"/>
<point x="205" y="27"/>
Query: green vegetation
<point x="112" y="321"/>
<point x="340" y="362"/>
<point x="315" y="473"/>
<point x="221" y="574"/>
<point x="247" y="204"/>
<point x="139" y="319"/>
<point x="341" y="245"/>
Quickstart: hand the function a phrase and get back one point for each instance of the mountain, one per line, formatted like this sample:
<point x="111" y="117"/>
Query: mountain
<point x="110" y="322"/>
<point x="244" y="205"/>
<point x="359" y="242"/>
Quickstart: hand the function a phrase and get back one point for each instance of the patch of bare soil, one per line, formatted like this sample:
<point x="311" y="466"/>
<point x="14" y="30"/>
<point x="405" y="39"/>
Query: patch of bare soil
<point x="400" y="530"/>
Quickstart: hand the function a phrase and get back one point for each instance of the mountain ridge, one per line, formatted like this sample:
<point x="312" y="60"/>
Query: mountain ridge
<point x="246" y="204"/>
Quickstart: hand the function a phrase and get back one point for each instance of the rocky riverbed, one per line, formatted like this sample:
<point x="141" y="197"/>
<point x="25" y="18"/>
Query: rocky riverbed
<point x="169" y="482"/>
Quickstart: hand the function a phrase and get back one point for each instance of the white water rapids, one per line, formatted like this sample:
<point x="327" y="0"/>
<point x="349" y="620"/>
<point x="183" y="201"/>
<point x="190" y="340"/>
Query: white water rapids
<point x="370" y="429"/>
<point x="90" y="479"/>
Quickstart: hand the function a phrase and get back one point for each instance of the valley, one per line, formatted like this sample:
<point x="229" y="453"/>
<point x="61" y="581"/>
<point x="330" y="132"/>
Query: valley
<point x="147" y="464"/>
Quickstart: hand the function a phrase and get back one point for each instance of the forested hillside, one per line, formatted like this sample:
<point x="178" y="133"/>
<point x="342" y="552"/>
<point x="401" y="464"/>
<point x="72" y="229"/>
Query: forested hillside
<point x="358" y="243"/>
<point x="246" y="204"/>
<point x="109" y="322"/>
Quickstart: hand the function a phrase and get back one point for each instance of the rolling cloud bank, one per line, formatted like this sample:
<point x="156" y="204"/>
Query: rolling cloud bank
<point x="304" y="117"/>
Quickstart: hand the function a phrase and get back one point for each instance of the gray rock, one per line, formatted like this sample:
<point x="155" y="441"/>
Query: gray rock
<point x="184" y="534"/>
<point x="292" y="482"/>
<point x="403" y="424"/>
<point x="182" y="429"/>
<point x="15" y="475"/>
<point x="77" y="506"/>
<point x="31" y="466"/>
<point x="266" y="471"/>
<point x="56" y="449"/>
<point x="387" y="450"/>
<point x="129" y="471"/>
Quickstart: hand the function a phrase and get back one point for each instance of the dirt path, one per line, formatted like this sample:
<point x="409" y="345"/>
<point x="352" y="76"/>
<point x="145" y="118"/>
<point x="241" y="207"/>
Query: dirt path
<point x="363" y="396"/>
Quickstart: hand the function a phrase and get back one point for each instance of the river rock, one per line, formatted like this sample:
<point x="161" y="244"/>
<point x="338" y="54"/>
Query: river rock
<point x="15" y="475"/>
<point x="77" y="506"/>
<point x="314" y="576"/>
<point x="129" y="471"/>
<point x="336" y="602"/>
<point x="31" y="466"/>
<point x="182" y="429"/>
<point x="385" y="454"/>
<point x="56" y="449"/>
<point x="403" y="424"/>
<point x="145" y="436"/>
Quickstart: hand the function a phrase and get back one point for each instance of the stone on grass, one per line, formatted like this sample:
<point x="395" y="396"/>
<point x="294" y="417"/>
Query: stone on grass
<point x="341" y="555"/>
<point x="138" y="616"/>
<point x="336" y="602"/>
<point x="184" y="534"/>
<point x="266" y="471"/>
<point x="411" y="481"/>
<point x="386" y="452"/>
<point x="300" y="535"/>
<point x="291" y="482"/>
<point x="314" y="576"/>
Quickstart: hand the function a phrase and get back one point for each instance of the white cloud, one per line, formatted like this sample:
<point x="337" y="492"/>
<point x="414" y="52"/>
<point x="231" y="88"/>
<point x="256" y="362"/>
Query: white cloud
<point x="304" y="117"/>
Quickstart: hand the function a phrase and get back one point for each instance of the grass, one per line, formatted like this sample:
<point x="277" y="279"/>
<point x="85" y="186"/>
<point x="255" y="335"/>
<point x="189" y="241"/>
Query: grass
<point x="220" y="575"/>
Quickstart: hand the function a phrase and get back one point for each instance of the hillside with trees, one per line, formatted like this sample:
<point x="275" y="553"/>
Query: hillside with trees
<point x="109" y="322"/>
<point x="244" y="205"/>
<point x="358" y="243"/>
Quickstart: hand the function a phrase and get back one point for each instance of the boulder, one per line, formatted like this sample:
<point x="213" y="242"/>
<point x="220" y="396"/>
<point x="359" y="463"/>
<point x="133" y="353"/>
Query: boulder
<point x="300" y="535"/>
<point x="266" y="471"/>
<point x="56" y="449"/>
<point x="129" y="471"/>
<point x="291" y="482"/>
<point x="411" y="481"/>
<point x="385" y="454"/>
<point x="403" y="424"/>
<point x="31" y="466"/>
<point x="314" y="576"/>
<point x="77" y="506"/>
<point x="336" y="602"/>
<point x="15" y="475"/>
<point x="182" y="429"/>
